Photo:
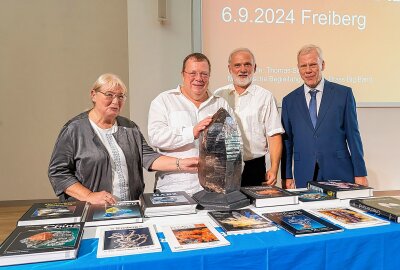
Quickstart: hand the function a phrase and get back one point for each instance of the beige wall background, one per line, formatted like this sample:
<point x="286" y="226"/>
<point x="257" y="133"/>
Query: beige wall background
<point x="52" y="51"/>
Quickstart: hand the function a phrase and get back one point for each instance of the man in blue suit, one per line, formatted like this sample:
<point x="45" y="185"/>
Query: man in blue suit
<point x="322" y="136"/>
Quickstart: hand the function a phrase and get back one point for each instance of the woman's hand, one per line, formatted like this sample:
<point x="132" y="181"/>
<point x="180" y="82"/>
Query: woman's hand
<point x="102" y="197"/>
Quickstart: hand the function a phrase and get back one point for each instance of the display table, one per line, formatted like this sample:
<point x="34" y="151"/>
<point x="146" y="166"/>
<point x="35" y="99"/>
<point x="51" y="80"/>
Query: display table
<point x="366" y="248"/>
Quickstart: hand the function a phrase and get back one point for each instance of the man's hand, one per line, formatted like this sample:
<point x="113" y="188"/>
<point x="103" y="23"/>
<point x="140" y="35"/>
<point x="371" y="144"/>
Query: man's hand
<point x="270" y="178"/>
<point x="288" y="183"/>
<point x="101" y="197"/>
<point x="201" y="126"/>
<point x="361" y="180"/>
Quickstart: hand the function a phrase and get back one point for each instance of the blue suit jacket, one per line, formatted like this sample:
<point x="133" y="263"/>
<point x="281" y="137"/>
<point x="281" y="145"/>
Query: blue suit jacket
<point x="335" y="143"/>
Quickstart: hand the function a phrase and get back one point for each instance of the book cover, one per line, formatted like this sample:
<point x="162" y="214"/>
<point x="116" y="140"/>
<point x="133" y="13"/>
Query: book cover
<point x="54" y="213"/>
<point x="269" y="196"/>
<point x="302" y="223"/>
<point x="387" y="207"/>
<point x="121" y="212"/>
<point x="41" y="243"/>
<point x="306" y="195"/>
<point x="241" y="221"/>
<point x="193" y="236"/>
<point x="120" y="240"/>
<point x="168" y="203"/>
<point x="340" y="189"/>
<point x="349" y="218"/>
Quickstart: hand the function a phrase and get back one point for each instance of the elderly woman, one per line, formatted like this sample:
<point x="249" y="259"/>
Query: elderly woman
<point x="99" y="155"/>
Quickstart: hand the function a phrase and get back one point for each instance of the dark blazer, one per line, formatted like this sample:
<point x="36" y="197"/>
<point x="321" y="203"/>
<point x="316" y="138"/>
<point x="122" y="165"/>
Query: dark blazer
<point x="335" y="143"/>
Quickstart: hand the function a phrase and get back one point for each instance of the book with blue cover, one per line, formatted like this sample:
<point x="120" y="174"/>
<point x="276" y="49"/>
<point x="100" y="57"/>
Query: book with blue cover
<point x="302" y="223"/>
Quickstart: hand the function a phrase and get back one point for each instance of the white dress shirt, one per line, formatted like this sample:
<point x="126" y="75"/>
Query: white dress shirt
<point x="320" y="88"/>
<point x="172" y="118"/>
<point x="257" y="116"/>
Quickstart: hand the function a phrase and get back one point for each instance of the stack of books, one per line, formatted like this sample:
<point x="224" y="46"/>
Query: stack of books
<point x="308" y="197"/>
<point x="262" y="196"/>
<point x="46" y="232"/>
<point x="167" y="203"/>
<point x="341" y="189"/>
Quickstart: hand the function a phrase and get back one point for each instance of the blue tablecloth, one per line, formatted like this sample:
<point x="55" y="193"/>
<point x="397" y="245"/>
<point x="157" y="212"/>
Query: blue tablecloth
<point x="366" y="248"/>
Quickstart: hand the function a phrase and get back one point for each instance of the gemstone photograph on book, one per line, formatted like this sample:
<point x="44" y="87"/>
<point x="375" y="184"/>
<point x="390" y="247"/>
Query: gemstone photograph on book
<point x="167" y="203"/>
<point x="349" y="218"/>
<point x="241" y="221"/>
<point x="193" y="236"/>
<point x="118" y="213"/>
<point x="308" y="196"/>
<point x="386" y="207"/>
<point x="127" y="239"/>
<point x="340" y="189"/>
<point x="54" y="213"/>
<point x="41" y="243"/>
<point x="302" y="223"/>
<point x="263" y="196"/>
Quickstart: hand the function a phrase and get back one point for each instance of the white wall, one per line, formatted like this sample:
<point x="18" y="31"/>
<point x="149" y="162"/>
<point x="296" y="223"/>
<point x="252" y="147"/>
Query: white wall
<point x="156" y="52"/>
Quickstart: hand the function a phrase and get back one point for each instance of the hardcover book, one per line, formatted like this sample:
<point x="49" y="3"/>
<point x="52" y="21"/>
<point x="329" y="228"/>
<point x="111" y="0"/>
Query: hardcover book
<point x="340" y="189"/>
<point x="241" y="221"/>
<point x="349" y="218"/>
<point x="387" y="207"/>
<point x="119" y="213"/>
<point x="302" y="223"/>
<point x="41" y="243"/>
<point x="308" y="196"/>
<point x="168" y="203"/>
<point x="262" y="196"/>
<point x="193" y="236"/>
<point x="54" y="213"/>
<point x="126" y="239"/>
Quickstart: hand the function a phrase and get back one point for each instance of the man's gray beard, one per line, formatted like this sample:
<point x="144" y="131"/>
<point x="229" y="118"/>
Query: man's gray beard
<point x="242" y="82"/>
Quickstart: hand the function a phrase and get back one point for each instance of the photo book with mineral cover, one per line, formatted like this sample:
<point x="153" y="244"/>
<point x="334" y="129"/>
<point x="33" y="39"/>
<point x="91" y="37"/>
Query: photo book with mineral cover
<point x="127" y="239"/>
<point x="41" y="243"/>
<point x="349" y="218"/>
<point x="118" y="213"/>
<point x="193" y="236"/>
<point x="386" y="207"/>
<point x="262" y="196"/>
<point x="167" y="203"/>
<point x="302" y="223"/>
<point x="341" y="189"/>
<point x="241" y="221"/>
<point x="309" y="196"/>
<point x="54" y="213"/>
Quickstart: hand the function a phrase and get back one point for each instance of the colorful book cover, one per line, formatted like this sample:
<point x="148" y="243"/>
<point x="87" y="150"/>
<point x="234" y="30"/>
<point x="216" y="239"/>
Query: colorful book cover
<point x="121" y="212"/>
<point x="387" y="207"/>
<point x="262" y="196"/>
<point x="312" y="196"/>
<point x="52" y="213"/>
<point x="120" y="240"/>
<point x="168" y="203"/>
<point x="193" y="236"/>
<point x="241" y="221"/>
<point x="340" y="189"/>
<point x="302" y="223"/>
<point x="349" y="218"/>
<point x="45" y="242"/>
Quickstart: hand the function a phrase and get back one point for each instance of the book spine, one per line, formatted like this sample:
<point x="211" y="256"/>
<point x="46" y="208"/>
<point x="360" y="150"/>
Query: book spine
<point x="375" y="211"/>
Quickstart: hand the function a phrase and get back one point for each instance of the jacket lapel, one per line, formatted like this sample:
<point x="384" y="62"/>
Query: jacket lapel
<point x="327" y="98"/>
<point x="302" y="106"/>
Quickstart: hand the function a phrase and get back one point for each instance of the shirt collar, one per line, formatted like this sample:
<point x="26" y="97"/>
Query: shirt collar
<point x="249" y="90"/>
<point x="320" y="87"/>
<point x="178" y="91"/>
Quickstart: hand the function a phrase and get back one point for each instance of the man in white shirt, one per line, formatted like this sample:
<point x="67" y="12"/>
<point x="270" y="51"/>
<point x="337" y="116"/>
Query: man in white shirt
<point x="258" y="119"/>
<point x="178" y="116"/>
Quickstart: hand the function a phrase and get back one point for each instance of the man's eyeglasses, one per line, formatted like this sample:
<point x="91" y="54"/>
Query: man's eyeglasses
<point x="110" y="96"/>
<point x="203" y="75"/>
